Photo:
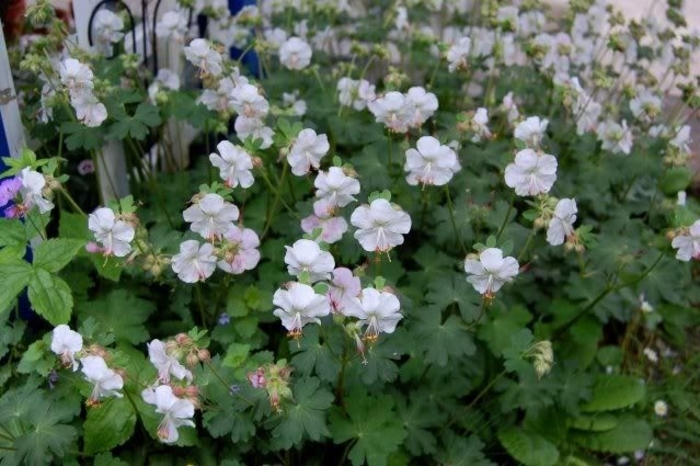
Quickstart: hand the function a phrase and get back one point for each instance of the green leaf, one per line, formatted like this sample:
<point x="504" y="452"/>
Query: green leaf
<point x="373" y="424"/>
<point x="80" y="136"/>
<point x="14" y="276"/>
<point x="106" y="459"/>
<point x="629" y="435"/>
<point x="307" y="417"/>
<point x="453" y="289"/>
<point x="614" y="391"/>
<point x="109" y="424"/>
<point x="236" y="355"/>
<point x="121" y="313"/>
<point x="675" y="179"/>
<point x="503" y="325"/>
<point x="599" y="422"/>
<point x="50" y="297"/>
<point x="316" y="356"/>
<point x="54" y="254"/>
<point x="439" y="341"/>
<point x="463" y="451"/>
<point x="37" y="358"/>
<point x="529" y="449"/>
<point x="12" y="233"/>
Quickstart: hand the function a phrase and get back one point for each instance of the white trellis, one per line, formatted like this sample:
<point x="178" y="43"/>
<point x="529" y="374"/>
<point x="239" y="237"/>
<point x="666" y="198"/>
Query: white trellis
<point x="9" y="109"/>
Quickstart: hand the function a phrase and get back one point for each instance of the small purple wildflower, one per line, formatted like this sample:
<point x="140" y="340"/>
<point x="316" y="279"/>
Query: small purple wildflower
<point x="86" y="167"/>
<point x="224" y="319"/>
<point x="234" y="389"/>
<point x="9" y="189"/>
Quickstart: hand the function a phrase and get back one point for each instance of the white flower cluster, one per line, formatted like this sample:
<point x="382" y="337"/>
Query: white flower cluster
<point x="227" y="246"/>
<point x="107" y="27"/>
<point x="398" y="111"/>
<point x="77" y="78"/>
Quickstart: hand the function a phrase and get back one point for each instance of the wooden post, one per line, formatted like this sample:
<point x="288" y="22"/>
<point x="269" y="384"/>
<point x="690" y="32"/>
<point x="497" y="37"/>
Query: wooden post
<point x="11" y="130"/>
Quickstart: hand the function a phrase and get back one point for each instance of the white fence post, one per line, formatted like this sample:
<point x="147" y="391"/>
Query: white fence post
<point x="10" y="119"/>
<point x="111" y="161"/>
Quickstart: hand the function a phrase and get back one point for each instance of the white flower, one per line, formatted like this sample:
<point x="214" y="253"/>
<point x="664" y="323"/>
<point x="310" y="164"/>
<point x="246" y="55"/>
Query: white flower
<point x="248" y="102"/>
<point x="254" y="128"/>
<point x="645" y="305"/>
<point x="306" y="256"/>
<point x="173" y="25"/>
<point x="275" y="37"/>
<point x="219" y="100"/>
<point x="344" y="287"/>
<point x="108" y="27"/>
<point x="298" y="306"/>
<point x="645" y="106"/>
<point x="194" y="263"/>
<point x="292" y="100"/>
<point x="240" y="250"/>
<point x="90" y="111"/>
<point x="681" y="140"/>
<point x="295" y="54"/>
<point x="531" y="131"/>
<point x="204" y="57"/>
<point x="661" y="408"/>
<point x="480" y="125"/>
<point x="66" y="343"/>
<point x="378" y="310"/>
<point x="380" y="225"/>
<point x="561" y="225"/>
<point x="307" y="151"/>
<point x="425" y="104"/>
<point x="651" y="355"/>
<point x="332" y="228"/>
<point x="106" y="381"/>
<point x="234" y="165"/>
<point x="336" y="187"/>
<point x="167" y="365"/>
<point x="682" y="197"/>
<point x="32" y="191"/>
<point x="114" y="235"/>
<point x="178" y="411"/>
<point x="211" y="216"/>
<point x="458" y="53"/>
<point x="165" y="78"/>
<point x="394" y="109"/>
<point x="511" y="107"/>
<point x="615" y="138"/>
<point x="491" y="271"/>
<point x="688" y="244"/>
<point x="355" y="93"/>
<point x="76" y="76"/>
<point x="430" y="163"/>
<point x="532" y="173"/>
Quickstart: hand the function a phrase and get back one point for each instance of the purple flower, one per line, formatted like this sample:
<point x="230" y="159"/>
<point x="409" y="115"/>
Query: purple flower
<point x="86" y="167"/>
<point x="224" y="319"/>
<point x="9" y="189"/>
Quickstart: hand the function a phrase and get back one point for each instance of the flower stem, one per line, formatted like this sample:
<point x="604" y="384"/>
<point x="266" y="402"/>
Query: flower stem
<point x="505" y="219"/>
<point x="72" y="202"/>
<point x="450" y="208"/>
<point x="527" y="245"/>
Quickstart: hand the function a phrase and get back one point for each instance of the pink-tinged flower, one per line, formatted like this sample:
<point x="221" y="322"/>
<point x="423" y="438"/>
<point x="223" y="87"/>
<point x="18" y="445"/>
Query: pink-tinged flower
<point x="211" y="216"/>
<point x="378" y="310"/>
<point x="76" y="76"/>
<point x="688" y="244"/>
<point x="335" y="187"/>
<point x="491" y="271"/>
<point x="86" y="167"/>
<point x="531" y="131"/>
<point x="561" y="225"/>
<point x="344" y="287"/>
<point x="234" y="164"/>
<point x="114" y="235"/>
<point x="166" y="364"/>
<point x="298" y="306"/>
<point x="380" y="225"/>
<point x="307" y="151"/>
<point x="431" y="163"/>
<point x="177" y="412"/>
<point x="532" y="173"/>
<point x="194" y="263"/>
<point x="240" y="250"/>
<point x="66" y="343"/>
<point x="332" y="228"/>
<point x="32" y="191"/>
<point x="295" y="54"/>
<point x="257" y="378"/>
<point x="106" y="381"/>
<point x="395" y="110"/>
<point x="248" y="102"/>
<point x="306" y="256"/>
<point x="204" y="57"/>
<point x="90" y="111"/>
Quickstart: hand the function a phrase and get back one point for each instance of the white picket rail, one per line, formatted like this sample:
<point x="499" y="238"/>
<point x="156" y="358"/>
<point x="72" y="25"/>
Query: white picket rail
<point x="9" y="109"/>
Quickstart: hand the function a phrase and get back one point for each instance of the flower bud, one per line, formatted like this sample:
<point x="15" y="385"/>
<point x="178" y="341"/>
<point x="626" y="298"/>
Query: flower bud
<point x="203" y="355"/>
<point x="183" y="339"/>
<point x="179" y="391"/>
<point x="192" y="360"/>
<point x="192" y="391"/>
